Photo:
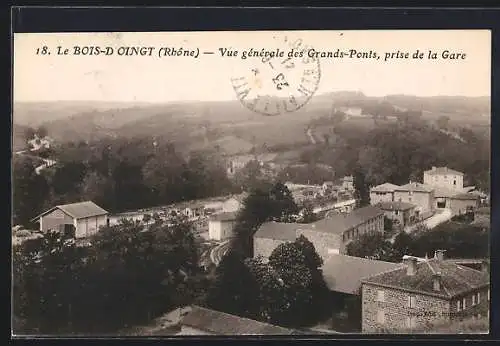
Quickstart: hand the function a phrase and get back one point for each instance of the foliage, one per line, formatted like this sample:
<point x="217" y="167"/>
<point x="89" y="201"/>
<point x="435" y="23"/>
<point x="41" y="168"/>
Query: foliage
<point x="373" y="246"/>
<point x="270" y="203"/>
<point x="362" y="192"/>
<point x="459" y="240"/>
<point x="29" y="190"/>
<point x="125" y="276"/>
<point x="234" y="289"/>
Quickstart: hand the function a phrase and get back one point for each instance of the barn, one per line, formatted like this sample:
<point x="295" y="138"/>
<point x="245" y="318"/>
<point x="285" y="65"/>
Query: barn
<point x="77" y="220"/>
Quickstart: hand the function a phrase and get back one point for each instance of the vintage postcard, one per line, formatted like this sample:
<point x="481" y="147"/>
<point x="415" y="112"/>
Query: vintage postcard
<point x="251" y="183"/>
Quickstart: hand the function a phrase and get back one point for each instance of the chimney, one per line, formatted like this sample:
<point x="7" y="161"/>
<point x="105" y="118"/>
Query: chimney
<point x="433" y="168"/>
<point x="411" y="265"/>
<point x="436" y="281"/>
<point x="439" y="255"/>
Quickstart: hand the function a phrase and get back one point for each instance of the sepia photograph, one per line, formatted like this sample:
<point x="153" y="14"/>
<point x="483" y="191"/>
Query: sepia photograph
<point x="238" y="183"/>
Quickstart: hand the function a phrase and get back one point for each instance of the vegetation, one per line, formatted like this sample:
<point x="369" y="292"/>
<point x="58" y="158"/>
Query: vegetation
<point x="268" y="203"/>
<point x="459" y="240"/>
<point x="126" y="276"/>
<point x="109" y="172"/>
<point x="288" y="290"/>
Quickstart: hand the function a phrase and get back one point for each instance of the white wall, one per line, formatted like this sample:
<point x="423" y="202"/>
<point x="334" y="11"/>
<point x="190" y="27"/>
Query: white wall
<point x="88" y="226"/>
<point x="448" y="181"/>
<point x="220" y="230"/>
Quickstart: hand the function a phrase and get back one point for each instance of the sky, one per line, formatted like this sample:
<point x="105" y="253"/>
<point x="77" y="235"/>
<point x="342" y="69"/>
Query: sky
<point x="208" y="78"/>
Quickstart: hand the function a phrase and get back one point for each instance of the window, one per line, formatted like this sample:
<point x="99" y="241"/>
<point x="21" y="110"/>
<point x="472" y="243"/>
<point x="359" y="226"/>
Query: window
<point x="409" y="199"/>
<point x="454" y="182"/>
<point x="458" y="305"/>
<point x="464" y="305"/>
<point x="396" y="212"/>
<point x="412" y="301"/>
<point x="473" y="299"/>
<point x="478" y="297"/>
<point x="380" y="296"/>
<point x="381" y="317"/>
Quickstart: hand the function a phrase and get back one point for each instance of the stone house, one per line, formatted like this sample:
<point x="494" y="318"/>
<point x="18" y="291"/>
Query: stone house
<point x="444" y="177"/>
<point x="221" y="226"/>
<point x="423" y="293"/>
<point x="329" y="235"/>
<point x="421" y="195"/>
<point x="400" y="212"/>
<point x="77" y="220"/>
<point x="382" y="193"/>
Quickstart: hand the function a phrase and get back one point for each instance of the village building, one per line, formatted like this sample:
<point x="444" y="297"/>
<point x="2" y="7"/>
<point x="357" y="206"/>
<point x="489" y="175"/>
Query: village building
<point x="416" y="193"/>
<point x="329" y="235"/>
<point x="76" y="220"/>
<point x="348" y="183"/>
<point x="458" y="202"/>
<point x="399" y="212"/>
<point x="444" y="177"/>
<point x="382" y="193"/>
<point x="203" y="321"/>
<point x="221" y="225"/>
<point x="424" y="293"/>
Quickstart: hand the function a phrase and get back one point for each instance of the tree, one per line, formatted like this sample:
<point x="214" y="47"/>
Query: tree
<point x="234" y="290"/>
<point x="372" y="246"/>
<point x="362" y="192"/>
<point x="97" y="188"/>
<point x="298" y="266"/>
<point x="443" y="122"/>
<point x="30" y="190"/>
<point x="262" y="204"/>
<point x="124" y="277"/>
<point x="42" y="131"/>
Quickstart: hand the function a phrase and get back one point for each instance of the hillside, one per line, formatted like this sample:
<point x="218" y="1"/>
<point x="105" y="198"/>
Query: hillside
<point x="229" y="124"/>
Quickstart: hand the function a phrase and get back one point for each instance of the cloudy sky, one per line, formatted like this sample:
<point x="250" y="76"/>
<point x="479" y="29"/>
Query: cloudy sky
<point x="153" y="79"/>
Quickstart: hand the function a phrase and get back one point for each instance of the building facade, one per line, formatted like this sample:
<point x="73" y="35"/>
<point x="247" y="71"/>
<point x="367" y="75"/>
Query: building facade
<point x="221" y="226"/>
<point x="382" y="193"/>
<point x="329" y="236"/>
<point x="444" y="177"/>
<point x="76" y="220"/>
<point x="421" y="195"/>
<point x="422" y="294"/>
<point x="399" y="212"/>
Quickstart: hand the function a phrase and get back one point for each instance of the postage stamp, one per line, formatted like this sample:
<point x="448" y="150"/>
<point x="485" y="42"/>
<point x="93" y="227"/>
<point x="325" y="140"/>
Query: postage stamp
<point x="279" y="81"/>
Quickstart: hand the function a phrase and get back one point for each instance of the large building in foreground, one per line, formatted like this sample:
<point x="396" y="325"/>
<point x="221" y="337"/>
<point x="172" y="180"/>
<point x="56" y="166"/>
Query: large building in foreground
<point x="329" y="235"/>
<point x="423" y="293"/>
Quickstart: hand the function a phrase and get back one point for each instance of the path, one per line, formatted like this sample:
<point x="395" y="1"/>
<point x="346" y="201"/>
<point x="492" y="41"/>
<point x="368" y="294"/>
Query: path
<point x="219" y="251"/>
<point x="441" y="215"/>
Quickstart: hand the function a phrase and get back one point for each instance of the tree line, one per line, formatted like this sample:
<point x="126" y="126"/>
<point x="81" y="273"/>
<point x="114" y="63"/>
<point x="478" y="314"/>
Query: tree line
<point x="117" y="174"/>
<point x="460" y="240"/>
<point x="126" y="276"/>
<point x="287" y="290"/>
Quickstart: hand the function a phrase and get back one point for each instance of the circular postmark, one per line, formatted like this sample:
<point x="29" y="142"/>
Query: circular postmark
<point x="281" y="81"/>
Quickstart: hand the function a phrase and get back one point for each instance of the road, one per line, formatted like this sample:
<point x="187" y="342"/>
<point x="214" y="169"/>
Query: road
<point x="441" y="215"/>
<point x="219" y="251"/>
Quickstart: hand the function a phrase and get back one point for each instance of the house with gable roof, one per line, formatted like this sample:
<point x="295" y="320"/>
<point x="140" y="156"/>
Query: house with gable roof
<point x="424" y="292"/>
<point x="76" y="220"/>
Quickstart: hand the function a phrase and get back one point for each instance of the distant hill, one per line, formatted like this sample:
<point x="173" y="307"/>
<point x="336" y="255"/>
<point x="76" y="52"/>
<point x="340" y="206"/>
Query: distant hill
<point x="194" y="124"/>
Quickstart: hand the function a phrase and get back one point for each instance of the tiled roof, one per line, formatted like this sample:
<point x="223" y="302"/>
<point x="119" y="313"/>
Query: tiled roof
<point x="220" y="323"/>
<point x="78" y="210"/>
<point x="395" y="205"/>
<point x="344" y="273"/>
<point x="278" y="231"/>
<point x="455" y="279"/>
<point x="227" y="216"/>
<point x="385" y="187"/>
<point x="442" y="171"/>
<point x="338" y="223"/>
<point x="415" y="187"/>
